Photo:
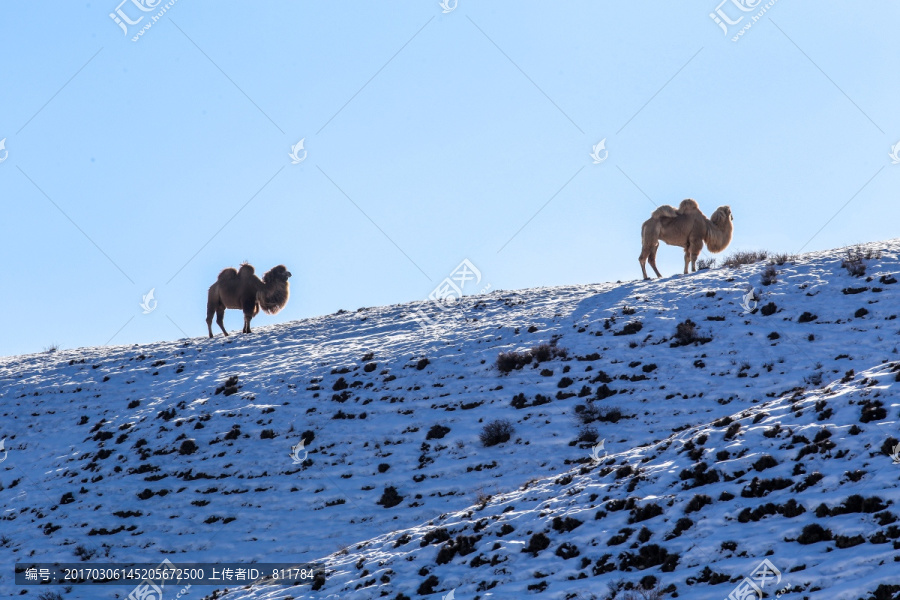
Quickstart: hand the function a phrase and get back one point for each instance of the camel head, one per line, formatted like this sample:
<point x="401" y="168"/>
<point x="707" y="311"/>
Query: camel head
<point x="721" y="229"/>
<point x="722" y="215"/>
<point x="279" y="273"/>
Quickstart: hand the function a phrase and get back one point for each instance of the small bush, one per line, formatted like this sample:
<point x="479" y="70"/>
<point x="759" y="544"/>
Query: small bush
<point x="706" y="263"/>
<point x="781" y="257"/>
<point x="649" y="555"/>
<point x="507" y="361"/>
<point x="604" y="391"/>
<point x="565" y="525"/>
<point x="855" y="260"/>
<point x="610" y="415"/>
<point x="588" y="434"/>
<point x="642" y="513"/>
<point x="435" y="536"/>
<point x="630" y="328"/>
<point x="682" y="525"/>
<point x="496" y="432"/>
<point x="732" y="430"/>
<point x="427" y="587"/>
<point x="567" y="550"/>
<point x="538" y="542"/>
<point x="686" y="333"/>
<point x="814" y="533"/>
<point x="85" y="554"/>
<point x="188" y="447"/>
<point x="807" y="317"/>
<point x="545" y="352"/>
<point x="744" y="257"/>
<point x="437" y="432"/>
<point x="846" y="541"/>
<point x="769" y="276"/>
<point x="698" y="502"/>
<point x="621" y="537"/>
<point x="769" y="309"/>
<point x="390" y="497"/>
<point x="765" y="462"/>
<point x="872" y="410"/>
<point x="761" y="487"/>
<point x="858" y="504"/>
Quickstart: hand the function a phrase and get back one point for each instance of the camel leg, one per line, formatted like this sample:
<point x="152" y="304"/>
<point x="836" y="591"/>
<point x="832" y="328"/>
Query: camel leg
<point x="649" y="252"/>
<point x="220" y="319"/>
<point x="695" y="252"/>
<point x="687" y="255"/>
<point x="250" y="310"/>
<point x="643" y="260"/>
<point x="210" y="309"/>
<point x="653" y="260"/>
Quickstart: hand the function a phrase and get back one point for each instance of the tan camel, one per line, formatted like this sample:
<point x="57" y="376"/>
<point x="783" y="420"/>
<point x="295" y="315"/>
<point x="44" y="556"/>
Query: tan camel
<point x="242" y="289"/>
<point x="687" y="227"/>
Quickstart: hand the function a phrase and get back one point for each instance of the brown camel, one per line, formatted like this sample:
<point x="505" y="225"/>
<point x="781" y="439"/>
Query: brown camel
<point x="242" y="289"/>
<point x="687" y="227"/>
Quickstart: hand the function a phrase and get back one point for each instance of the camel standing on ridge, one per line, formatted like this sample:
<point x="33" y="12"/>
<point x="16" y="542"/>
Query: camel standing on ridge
<point x="687" y="227"/>
<point x="243" y="290"/>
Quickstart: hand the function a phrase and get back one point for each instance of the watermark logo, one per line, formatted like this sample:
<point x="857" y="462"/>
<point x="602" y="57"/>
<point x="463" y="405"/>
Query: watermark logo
<point x="4" y="153"/>
<point x="120" y="18"/>
<point x="149" y="589"/>
<point x="749" y="301"/>
<point x="599" y="152"/>
<point x="451" y="595"/>
<point x="3" y="449"/>
<point x="751" y="587"/>
<point x="296" y="450"/>
<point x="148" y="303"/>
<point x="895" y="455"/>
<point x="296" y="157"/>
<point x="448" y="6"/>
<point x="123" y="20"/>
<point x="895" y="153"/>
<point x="448" y="291"/>
<point x="725" y="21"/>
<point x="595" y="451"/>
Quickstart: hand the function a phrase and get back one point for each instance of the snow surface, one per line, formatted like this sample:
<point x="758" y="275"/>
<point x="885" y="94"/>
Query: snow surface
<point x="105" y="424"/>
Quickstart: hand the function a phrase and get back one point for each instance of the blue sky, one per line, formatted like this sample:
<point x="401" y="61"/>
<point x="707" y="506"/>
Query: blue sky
<point x="431" y="137"/>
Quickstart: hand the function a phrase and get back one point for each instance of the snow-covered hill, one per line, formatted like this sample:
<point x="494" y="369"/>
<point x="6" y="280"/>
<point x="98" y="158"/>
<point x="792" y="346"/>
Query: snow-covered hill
<point x="730" y="438"/>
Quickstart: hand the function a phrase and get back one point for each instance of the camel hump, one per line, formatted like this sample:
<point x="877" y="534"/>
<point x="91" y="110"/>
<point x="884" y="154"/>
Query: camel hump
<point x="228" y="274"/>
<point x="247" y="270"/>
<point x="688" y="205"/>
<point x="664" y="211"/>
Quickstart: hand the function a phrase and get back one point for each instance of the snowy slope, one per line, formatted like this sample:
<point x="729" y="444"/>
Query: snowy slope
<point x="130" y="454"/>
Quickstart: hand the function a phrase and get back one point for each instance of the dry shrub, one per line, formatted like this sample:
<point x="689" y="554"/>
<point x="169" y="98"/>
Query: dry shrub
<point x="744" y="257"/>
